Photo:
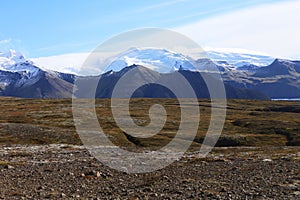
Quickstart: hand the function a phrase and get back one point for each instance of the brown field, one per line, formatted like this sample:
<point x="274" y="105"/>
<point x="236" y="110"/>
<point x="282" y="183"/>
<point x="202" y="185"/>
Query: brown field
<point x="248" y="122"/>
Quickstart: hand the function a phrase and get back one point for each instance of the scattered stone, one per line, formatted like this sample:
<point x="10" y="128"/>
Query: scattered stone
<point x="71" y="173"/>
<point x="267" y="160"/>
<point x="98" y="174"/>
<point x="296" y="193"/>
<point x="40" y="188"/>
<point x="9" y="167"/>
<point x="242" y="178"/>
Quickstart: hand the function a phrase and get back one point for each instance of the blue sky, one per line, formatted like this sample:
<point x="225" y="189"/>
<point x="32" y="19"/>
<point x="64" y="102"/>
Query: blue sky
<point x="53" y="27"/>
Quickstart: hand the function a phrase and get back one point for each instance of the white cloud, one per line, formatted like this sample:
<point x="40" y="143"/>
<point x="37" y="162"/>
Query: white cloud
<point x="67" y="63"/>
<point x="91" y="63"/>
<point x="271" y="28"/>
<point x="6" y="41"/>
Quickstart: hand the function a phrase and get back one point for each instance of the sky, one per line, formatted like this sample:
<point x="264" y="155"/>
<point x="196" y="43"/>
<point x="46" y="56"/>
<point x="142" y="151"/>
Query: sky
<point x="51" y="28"/>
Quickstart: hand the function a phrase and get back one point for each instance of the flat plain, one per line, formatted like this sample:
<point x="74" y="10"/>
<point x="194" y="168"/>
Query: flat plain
<point x="257" y="155"/>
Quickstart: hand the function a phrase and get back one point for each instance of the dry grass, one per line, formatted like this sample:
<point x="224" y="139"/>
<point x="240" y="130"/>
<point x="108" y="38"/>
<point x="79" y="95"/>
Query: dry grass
<point x="248" y="122"/>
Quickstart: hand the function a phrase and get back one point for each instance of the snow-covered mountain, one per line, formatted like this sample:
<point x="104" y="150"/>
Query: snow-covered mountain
<point x="21" y="77"/>
<point x="239" y="58"/>
<point x="156" y="59"/>
<point x="160" y="60"/>
<point x="11" y="57"/>
<point x="13" y="61"/>
<point x="165" y="61"/>
<point x="276" y="79"/>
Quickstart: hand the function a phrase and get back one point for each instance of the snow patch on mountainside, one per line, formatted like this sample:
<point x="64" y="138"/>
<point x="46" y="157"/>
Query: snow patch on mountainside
<point x="239" y="57"/>
<point x="160" y="60"/>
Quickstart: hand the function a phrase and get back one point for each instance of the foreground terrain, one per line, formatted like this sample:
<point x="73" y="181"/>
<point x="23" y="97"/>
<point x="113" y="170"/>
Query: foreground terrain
<point x="256" y="157"/>
<point x="65" y="171"/>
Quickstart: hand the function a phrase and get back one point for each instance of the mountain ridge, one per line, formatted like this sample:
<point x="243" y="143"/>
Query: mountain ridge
<point x="22" y="78"/>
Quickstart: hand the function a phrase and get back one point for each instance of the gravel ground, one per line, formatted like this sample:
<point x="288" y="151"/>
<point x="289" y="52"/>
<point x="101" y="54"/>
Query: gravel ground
<point x="69" y="172"/>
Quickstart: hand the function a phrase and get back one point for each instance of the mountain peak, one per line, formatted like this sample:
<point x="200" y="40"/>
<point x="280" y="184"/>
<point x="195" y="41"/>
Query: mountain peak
<point x="279" y="61"/>
<point x="10" y="58"/>
<point x="13" y="61"/>
<point x="138" y="68"/>
<point x="13" y="55"/>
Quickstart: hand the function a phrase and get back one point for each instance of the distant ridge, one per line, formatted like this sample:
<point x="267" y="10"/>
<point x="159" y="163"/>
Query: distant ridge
<point x="20" y="77"/>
